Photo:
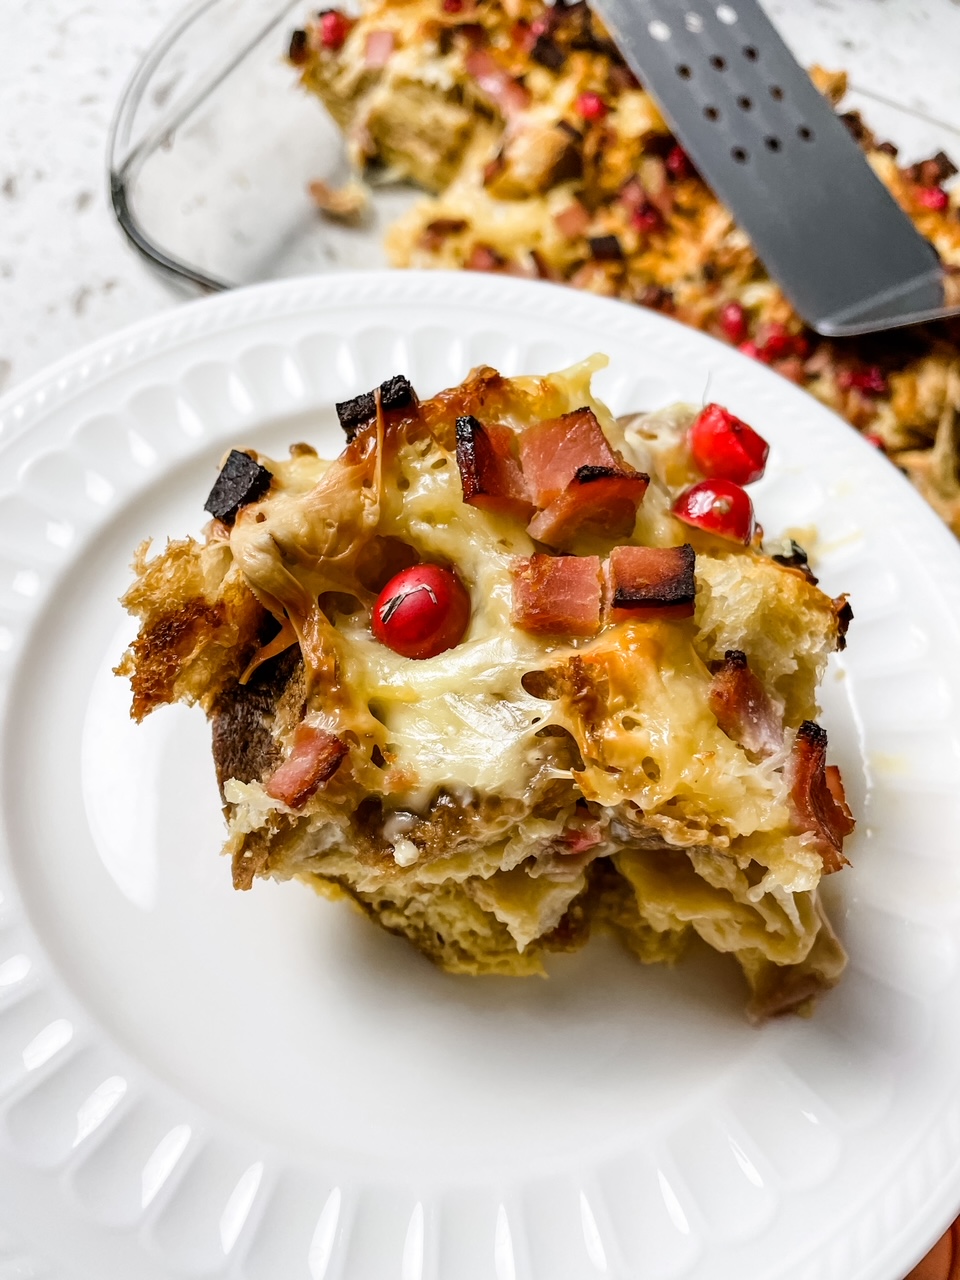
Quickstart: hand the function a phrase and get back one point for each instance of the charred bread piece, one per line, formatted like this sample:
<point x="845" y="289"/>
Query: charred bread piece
<point x="242" y="479"/>
<point x="394" y="394"/>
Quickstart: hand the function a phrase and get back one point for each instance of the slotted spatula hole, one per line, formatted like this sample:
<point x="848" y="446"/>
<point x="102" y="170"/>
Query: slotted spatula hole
<point x="744" y="103"/>
<point x="740" y="155"/>
<point x="684" y="72"/>
<point x="659" y="30"/>
<point x="772" y="143"/>
<point x="719" y="63"/>
<point x="726" y="14"/>
<point x="805" y="133"/>
<point x="711" y="113"/>
<point x="776" y="93"/>
<point x="693" y="22"/>
<point x="750" y="53"/>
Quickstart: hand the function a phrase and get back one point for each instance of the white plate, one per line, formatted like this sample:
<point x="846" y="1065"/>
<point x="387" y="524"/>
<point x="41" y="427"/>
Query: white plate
<point x="262" y="1085"/>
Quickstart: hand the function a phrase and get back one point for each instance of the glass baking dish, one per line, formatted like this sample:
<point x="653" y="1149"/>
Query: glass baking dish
<point x="214" y="144"/>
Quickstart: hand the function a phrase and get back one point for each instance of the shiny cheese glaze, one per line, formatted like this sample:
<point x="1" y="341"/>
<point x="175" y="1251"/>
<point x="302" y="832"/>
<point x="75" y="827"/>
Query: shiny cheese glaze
<point x="463" y="721"/>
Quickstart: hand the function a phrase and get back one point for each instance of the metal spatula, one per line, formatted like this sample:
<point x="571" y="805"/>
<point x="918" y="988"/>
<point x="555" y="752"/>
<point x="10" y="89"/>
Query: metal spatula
<point x="772" y="149"/>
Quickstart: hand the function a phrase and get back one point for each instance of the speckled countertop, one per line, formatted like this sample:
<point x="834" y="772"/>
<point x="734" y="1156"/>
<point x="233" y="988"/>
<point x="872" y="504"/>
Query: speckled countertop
<point x="66" y="274"/>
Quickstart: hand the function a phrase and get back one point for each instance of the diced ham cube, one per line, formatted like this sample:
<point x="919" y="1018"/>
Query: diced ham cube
<point x="503" y="89"/>
<point x="378" y="48"/>
<point x="600" y="500"/>
<point x="552" y="452"/>
<point x="557" y="595"/>
<point x="819" y="804"/>
<point x="745" y="711"/>
<point x="572" y="221"/>
<point x="483" y="258"/>
<point x="315" y="758"/>
<point x="650" y="582"/>
<point x="489" y="473"/>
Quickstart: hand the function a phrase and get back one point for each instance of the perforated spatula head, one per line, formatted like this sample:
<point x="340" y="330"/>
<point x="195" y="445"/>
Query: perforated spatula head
<point x="770" y="146"/>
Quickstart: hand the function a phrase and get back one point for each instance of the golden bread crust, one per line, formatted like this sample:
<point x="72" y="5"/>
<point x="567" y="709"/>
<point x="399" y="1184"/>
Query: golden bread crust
<point x="198" y="623"/>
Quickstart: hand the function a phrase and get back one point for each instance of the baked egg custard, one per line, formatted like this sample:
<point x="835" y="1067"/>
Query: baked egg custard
<point x="508" y="671"/>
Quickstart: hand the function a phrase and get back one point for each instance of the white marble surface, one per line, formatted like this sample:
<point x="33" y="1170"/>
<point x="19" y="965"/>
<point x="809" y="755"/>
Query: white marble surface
<point x="66" y="274"/>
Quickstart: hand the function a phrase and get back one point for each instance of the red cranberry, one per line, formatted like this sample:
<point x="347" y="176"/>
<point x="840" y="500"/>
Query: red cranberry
<point x="753" y="351"/>
<point x="933" y="198"/>
<point x="875" y="441"/>
<point x="871" y="380"/>
<point x="591" y="106"/>
<point x="801" y="345"/>
<point x="422" y="611"/>
<point x="733" y="322"/>
<point x="717" y="506"/>
<point x="874" y="381"/>
<point x="334" y="28"/>
<point x="778" y="342"/>
<point x="678" y="163"/>
<point x="647" y="218"/>
<point x="724" y="447"/>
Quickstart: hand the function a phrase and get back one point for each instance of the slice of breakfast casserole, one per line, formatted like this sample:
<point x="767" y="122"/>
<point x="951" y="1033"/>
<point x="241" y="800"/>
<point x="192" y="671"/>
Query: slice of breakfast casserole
<point x="507" y="670"/>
